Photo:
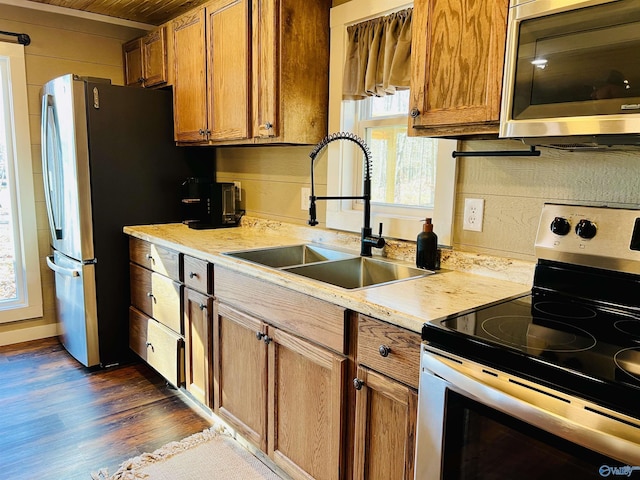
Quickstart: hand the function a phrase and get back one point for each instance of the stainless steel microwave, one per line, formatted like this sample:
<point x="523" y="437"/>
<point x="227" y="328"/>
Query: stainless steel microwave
<point x="572" y="72"/>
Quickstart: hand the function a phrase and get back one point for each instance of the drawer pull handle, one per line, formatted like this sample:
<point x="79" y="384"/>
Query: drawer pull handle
<point x="358" y="384"/>
<point x="202" y="306"/>
<point x="149" y="344"/>
<point x="384" y="351"/>
<point x="260" y="335"/>
<point x="193" y="274"/>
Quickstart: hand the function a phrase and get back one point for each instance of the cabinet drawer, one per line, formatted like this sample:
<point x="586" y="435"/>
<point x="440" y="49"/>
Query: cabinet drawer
<point x="157" y="296"/>
<point x="196" y="274"/>
<point x="157" y="345"/>
<point x="154" y="257"/>
<point x="402" y="349"/>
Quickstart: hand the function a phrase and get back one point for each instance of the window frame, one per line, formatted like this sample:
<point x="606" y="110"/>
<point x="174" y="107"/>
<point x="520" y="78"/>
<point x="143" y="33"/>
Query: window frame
<point x="28" y="303"/>
<point x="342" y="169"/>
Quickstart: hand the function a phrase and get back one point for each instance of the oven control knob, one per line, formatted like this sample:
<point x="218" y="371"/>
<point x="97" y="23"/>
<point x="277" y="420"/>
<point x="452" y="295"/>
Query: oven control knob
<point x="560" y="226"/>
<point x="586" y="229"/>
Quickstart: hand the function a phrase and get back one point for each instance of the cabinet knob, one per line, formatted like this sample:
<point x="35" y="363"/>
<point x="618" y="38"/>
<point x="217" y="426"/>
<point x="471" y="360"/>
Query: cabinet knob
<point x="141" y="80"/>
<point x="193" y="274"/>
<point x="384" y="350"/>
<point x="267" y="339"/>
<point x="202" y="306"/>
<point x="201" y="131"/>
<point x="268" y="125"/>
<point x="414" y="113"/>
<point x="357" y="383"/>
<point x="149" y="256"/>
<point x="149" y="344"/>
<point x="150" y="294"/>
<point x="259" y="335"/>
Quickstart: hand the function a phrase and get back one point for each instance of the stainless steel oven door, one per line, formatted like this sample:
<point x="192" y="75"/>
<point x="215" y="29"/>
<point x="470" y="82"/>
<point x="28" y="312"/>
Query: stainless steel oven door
<point x="478" y="422"/>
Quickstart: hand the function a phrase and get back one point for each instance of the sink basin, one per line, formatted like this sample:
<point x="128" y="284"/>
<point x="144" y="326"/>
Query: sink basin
<point x="358" y="272"/>
<point x="279" y="257"/>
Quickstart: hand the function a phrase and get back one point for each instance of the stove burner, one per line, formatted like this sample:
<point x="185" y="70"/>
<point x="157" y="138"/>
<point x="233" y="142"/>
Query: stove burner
<point x="628" y="360"/>
<point x="567" y="310"/>
<point x="629" y="327"/>
<point x="545" y="336"/>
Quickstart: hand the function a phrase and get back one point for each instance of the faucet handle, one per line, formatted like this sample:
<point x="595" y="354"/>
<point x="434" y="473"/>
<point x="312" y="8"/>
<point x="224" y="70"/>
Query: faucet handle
<point x="312" y="211"/>
<point x="380" y="241"/>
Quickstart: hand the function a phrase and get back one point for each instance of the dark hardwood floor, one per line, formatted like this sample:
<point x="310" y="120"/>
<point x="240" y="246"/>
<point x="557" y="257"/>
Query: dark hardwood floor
<point x="60" y="421"/>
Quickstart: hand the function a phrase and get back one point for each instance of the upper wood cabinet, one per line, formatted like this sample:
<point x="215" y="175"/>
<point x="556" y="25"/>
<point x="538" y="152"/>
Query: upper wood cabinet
<point x="457" y="59"/>
<point x="145" y="60"/>
<point x="252" y="72"/>
<point x="132" y="56"/>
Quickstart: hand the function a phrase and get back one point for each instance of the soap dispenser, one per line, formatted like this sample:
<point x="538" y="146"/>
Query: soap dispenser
<point x="427" y="247"/>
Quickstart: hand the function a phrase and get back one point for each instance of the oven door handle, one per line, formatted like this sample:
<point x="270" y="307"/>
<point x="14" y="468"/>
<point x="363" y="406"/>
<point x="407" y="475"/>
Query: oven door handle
<point x="567" y="417"/>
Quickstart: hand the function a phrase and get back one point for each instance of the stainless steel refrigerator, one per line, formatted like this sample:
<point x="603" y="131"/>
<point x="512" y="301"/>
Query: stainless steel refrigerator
<point x="109" y="160"/>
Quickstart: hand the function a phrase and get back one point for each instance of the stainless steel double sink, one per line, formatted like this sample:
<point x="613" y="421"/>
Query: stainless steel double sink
<point x="335" y="267"/>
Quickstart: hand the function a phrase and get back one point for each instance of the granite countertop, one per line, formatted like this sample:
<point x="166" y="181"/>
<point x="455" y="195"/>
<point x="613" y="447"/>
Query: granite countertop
<point x="408" y="303"/>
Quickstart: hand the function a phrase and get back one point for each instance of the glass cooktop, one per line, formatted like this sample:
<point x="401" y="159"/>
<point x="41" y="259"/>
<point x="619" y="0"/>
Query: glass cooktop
<point x="568" y="345"/>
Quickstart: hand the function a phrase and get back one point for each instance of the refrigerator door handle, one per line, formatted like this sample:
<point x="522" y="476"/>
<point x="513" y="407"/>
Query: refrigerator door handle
<point x="51" y="168"/>
<point x="71" y="272"/>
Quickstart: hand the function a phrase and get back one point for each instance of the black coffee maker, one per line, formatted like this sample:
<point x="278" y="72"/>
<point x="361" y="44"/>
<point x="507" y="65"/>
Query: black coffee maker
<point x="208" y="204"/>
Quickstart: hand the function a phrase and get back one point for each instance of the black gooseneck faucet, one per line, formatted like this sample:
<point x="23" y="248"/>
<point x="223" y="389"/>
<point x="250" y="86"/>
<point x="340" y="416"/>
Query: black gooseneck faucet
<point x="367" y="240"/>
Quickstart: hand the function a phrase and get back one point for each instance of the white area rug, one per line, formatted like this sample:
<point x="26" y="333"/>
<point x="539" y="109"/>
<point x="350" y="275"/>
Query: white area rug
<point x="210" y="454"/>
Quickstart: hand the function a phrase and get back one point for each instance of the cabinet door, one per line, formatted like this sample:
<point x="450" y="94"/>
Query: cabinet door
<point x="198" y="340"/>
<point x="265" y="67"/>
<point x="306" y="395"/>
<point x="457" y="60"/>
<point x="240" y="370"/>
<point x="228" y="69"/>
<point x="132" y="53"/>
<point x="154" y="58"/>
<point x="385" y="430"/>
<point x="190" y="81"/>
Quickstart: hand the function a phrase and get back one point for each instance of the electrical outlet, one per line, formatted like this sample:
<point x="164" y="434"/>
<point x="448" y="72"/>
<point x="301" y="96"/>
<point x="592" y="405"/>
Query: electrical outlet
<point x="305" y="193"/>
<point x="473" y="212"/>
<point x="238" y="191"/>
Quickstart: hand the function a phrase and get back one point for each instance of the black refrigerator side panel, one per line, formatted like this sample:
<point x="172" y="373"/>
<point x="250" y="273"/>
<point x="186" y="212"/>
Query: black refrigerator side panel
<point x="136" y="172"/>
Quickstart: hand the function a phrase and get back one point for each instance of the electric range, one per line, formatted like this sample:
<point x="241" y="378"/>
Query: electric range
<point x="579" y="329"/>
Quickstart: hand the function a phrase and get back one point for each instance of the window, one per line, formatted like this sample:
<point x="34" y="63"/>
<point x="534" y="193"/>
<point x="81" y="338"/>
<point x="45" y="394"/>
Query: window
<point x="405" y="167"/>
<point x="412" y="177"/>
<point x="20" y="290"/>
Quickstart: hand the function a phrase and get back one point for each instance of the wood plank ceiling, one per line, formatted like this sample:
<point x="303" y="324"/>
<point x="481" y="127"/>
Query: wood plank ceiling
<point x="153" y="12"/>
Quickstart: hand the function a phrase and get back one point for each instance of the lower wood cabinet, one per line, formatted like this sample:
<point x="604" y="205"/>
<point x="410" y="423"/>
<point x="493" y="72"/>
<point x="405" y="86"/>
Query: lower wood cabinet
<point x="386" y="410"/>
<point x="385" y="427"/>
<point x="278" y="366"/>
<point x="240" y="371"/>
<point x="198" y="339"/>
<point x="305" y="413"/>
<point x="282" y="393"/>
